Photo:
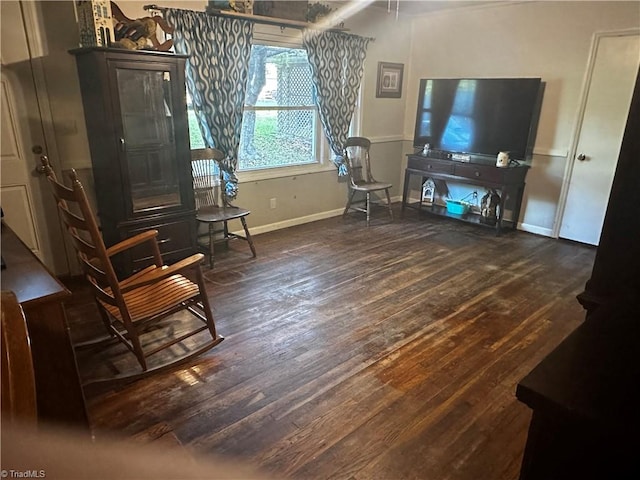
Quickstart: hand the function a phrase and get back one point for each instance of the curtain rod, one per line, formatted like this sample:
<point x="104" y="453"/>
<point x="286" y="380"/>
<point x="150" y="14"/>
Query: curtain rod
<point x="280" y="22"/>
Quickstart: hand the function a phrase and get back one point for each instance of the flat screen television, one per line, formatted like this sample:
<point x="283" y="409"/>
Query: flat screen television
<point x="479" y="116"/>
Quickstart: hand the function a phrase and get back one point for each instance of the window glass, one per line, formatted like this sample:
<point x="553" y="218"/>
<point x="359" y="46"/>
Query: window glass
<point x="195" y="136"/>
<point x="279" y="121"/>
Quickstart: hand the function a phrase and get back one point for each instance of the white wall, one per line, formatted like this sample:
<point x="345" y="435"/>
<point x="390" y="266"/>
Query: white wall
<point x="550" y="40"/>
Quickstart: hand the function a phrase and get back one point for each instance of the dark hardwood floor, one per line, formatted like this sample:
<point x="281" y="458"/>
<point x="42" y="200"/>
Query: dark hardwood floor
<point x="388" y="352"/>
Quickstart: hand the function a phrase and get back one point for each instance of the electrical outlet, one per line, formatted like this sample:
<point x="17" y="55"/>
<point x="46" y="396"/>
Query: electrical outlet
<point x="272" y="203"/>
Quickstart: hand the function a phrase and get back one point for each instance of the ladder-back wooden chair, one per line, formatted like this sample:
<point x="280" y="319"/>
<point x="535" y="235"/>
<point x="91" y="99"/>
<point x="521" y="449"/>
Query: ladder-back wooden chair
<point x="358" y="163"/>
<point x="213" y="209"/>
<point x="130" y="307"/>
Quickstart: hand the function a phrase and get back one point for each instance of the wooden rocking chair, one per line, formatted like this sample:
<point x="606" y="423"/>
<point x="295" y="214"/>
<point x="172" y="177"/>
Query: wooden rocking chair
<point x="128" y="307"/>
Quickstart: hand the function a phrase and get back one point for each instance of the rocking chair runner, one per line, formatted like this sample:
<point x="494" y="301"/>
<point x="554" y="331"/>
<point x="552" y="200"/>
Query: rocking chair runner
<point x="129" y="306"/>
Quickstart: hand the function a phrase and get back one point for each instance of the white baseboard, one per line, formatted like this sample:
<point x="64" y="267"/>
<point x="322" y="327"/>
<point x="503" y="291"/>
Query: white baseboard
<point x="292" y="222"/>
<point x="525" y="227"/>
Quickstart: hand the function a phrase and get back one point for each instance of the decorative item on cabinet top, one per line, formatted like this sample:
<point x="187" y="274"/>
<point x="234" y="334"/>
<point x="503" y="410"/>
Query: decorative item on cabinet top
<point x="95" y="23"/>
<point x="289" y="10"/>
<point x="317" y="11"/>
<point x="101" y="23"/>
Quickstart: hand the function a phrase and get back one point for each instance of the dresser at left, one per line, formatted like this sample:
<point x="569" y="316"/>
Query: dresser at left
<point x="136" y="117"/>
<point x="53" y="367"/>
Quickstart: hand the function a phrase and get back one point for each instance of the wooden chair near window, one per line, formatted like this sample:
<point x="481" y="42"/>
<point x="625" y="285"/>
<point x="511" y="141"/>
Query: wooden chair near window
<point x="213" y="209"/>
<point x="358" y="163"/>
<point x="135" y="306"/>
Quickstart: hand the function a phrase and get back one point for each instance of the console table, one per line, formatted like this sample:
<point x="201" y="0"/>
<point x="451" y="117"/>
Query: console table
<point x="508" y="180"/>
<point x="58" y="391"/>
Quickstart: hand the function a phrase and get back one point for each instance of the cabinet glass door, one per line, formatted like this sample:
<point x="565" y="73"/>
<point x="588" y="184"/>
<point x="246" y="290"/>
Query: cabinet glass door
<point x="148" y="137"/>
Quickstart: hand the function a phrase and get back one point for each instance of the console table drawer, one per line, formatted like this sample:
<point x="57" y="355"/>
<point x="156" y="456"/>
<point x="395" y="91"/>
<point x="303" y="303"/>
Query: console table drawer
<point x="431" y="165"/>
<point x="487" y="174"/>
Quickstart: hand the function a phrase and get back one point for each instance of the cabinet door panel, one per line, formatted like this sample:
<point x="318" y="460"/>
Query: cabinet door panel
<point x="147" y="137"/>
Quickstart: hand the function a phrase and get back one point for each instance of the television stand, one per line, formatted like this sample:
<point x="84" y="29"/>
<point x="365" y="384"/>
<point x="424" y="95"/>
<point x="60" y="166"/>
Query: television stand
<point x="509" y="181"/>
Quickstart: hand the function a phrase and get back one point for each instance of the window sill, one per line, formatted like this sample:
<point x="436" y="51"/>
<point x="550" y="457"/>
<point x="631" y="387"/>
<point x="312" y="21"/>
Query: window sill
<point x="280" y="172"/>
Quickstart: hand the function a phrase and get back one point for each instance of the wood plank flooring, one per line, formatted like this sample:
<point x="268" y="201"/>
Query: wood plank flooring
<point x="388" y="352"/>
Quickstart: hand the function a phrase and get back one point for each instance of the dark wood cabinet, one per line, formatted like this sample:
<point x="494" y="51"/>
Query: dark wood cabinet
<point x="136" y="116"/>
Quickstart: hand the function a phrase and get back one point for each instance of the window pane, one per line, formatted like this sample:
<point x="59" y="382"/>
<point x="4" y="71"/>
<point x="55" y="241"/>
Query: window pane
<point x="277" y="138"/>
<point x="279" y="76"/>
<point x="195" y="136"/>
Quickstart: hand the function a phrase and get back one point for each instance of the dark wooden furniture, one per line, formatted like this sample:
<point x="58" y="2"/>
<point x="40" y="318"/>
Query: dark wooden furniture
<point x="358" y="163"/>
<point x="585" y="394"/>
<point x="132" y="306"/>
<point x="136" y="116"/>
<point x="213" y="209"/>
<point x="59" y="395"/>
<point x="18" y="378"/>
<point x="510" y="181"/>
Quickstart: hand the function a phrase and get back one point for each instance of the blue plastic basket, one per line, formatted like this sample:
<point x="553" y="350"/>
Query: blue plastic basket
<point x="457" y="207"/>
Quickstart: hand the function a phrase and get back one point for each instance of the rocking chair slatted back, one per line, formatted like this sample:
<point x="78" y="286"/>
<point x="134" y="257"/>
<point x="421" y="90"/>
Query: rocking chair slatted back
<point x="85" y="234"/>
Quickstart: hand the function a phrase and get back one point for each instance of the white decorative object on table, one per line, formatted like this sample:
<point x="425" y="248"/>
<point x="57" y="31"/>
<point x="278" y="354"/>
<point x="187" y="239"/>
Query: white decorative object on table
<point x="503" y="159"/>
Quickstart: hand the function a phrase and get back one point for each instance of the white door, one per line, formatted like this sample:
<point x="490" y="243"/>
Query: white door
<point x="614" y="71"/>
<point x="15" y="192"/>
<point x="26" y="202"/>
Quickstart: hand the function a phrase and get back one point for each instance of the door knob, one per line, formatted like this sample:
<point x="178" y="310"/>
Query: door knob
<point x="582" y="157"/>
<point x="40" y="168"/>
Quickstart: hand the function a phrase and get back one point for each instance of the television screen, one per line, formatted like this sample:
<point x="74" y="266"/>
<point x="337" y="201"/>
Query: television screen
<point x="479" y="116"/>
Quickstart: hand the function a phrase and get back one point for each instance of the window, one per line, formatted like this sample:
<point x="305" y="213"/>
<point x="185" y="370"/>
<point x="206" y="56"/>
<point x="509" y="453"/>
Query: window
<point x="280" y="125"/>
<point x="279" y="121"/>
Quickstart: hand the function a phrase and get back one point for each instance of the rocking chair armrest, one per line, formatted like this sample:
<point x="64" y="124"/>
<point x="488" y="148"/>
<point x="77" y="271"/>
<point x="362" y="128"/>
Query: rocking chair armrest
<point x="146" y="236"/>
<point x="162" y="272"/>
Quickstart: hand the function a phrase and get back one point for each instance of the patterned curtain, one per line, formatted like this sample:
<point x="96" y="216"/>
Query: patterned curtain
<point x="217" y="70"/>
<point x="337" y="64"/>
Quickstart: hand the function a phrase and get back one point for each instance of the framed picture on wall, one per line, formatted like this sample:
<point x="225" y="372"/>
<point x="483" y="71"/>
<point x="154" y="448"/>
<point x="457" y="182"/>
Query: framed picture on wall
<point x="389" y="80"/>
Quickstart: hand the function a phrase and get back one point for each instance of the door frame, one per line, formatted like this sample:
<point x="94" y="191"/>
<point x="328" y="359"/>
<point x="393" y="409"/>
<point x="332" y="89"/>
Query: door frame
<point x="575" y="138"/>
